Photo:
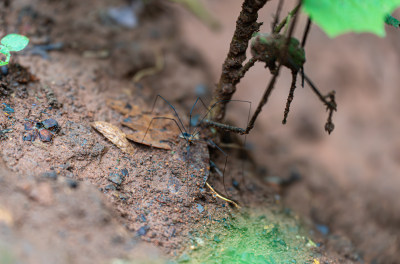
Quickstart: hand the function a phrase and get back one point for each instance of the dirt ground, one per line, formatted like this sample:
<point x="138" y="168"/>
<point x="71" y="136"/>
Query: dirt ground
<point x="94" y="203"/>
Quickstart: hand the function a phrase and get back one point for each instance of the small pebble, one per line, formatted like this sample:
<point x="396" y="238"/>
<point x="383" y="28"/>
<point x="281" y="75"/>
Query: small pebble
<point x="45" y="135"/>
<point x="143" y="230"/>
<point x="125" y="172"/>
<point x="4" y="70"/>
<point x="115" y="178"/>
<point x="110" y="187"/>
<point x="51" y="125"/>
<point x="200" y="208"/>
<point x="72" y="183"/>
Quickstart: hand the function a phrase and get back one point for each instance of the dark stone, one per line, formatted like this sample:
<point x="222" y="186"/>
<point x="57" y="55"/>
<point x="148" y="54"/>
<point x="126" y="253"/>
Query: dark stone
<point x="51" y="125"/>
<point x="72" y="183"/>
<point x="4" y="70"/>
<point x="124" y="172"/>
<point x="143" y="230"/>
<point x="115" y="178"/>
<point x="45" y="135"/>
<point x="110" y="187"/>
<point x="31" y="136"/>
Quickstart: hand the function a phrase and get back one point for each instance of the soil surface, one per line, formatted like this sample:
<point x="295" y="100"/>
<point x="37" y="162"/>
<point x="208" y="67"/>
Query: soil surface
<point x="69" y="195"/>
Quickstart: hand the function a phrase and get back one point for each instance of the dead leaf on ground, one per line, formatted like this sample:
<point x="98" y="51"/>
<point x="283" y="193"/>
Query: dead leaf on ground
<point x="150" y="140"/>
<point x="158" y="134"/>
<point x="124" y="108"/>
<point x="115" y="135"/>
<point x="160" y="128"/>
<point x="142" y="122"/>
<point x="155" y="137"/>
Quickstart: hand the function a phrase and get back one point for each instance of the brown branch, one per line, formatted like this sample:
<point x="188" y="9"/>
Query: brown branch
<point x="246" y="26"/>
<point x="245" y="68"/>
<point x="290" y="97"/>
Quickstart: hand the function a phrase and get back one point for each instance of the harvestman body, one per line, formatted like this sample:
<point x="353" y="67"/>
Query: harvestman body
<point x="192" y="137"/>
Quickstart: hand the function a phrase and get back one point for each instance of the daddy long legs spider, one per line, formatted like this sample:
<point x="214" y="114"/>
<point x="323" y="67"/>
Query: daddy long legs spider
<point x="191" y="136"/>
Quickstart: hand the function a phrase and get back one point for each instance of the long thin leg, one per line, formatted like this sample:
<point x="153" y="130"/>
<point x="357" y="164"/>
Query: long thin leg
<point x="303" y="44"/>
<point x="290" y="97"/>
<point x="210" y="142"/>
<point x="191" y="112"/>
<point x="306" y="31"/>
<point x="173" y="108"/>
<point x="162" y="117"/>
<point x="331" y="104"/>
<point x="229" y="128"/>
<point x="277" y="14"/>
<point x="219" y="125"/>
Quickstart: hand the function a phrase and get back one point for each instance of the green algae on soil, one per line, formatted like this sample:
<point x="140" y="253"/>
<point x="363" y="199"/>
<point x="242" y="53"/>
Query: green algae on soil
<point x="252" y="237"/>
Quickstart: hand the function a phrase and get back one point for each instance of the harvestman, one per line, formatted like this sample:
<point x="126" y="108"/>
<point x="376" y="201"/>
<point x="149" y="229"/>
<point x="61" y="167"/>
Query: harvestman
<point x="192" y="136"/>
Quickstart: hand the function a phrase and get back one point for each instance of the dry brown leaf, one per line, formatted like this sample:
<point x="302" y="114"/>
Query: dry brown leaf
<point x="160" y="131"/>
<point x="143" y="121"/>
<point x="149" y="140"/>
<point x="124" y="108"/>
<point x="115" y="135"/>
<point x="158" y="134"/>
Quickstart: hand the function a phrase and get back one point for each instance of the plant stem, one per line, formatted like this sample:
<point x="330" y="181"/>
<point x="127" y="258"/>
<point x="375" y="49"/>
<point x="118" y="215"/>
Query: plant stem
<point x="246" y="67"/>
<point x="246" y="25"/>
<point x="284" y="21"/>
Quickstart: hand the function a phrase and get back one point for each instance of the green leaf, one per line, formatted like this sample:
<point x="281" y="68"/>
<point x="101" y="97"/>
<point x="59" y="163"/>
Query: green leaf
<point x="336" y="17"/>
<point x="15" y="42"/>
<point x="392" y="21"/>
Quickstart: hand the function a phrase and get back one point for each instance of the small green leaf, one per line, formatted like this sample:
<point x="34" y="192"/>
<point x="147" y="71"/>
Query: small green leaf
<point x="336" y="17"/>
<point x="15" y="42"/>
<point x="392" y="21"/>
